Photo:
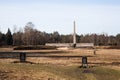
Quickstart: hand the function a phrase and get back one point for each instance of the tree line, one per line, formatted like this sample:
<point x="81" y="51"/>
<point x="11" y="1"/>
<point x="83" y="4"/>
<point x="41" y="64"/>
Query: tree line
<point x="31" y="36"/>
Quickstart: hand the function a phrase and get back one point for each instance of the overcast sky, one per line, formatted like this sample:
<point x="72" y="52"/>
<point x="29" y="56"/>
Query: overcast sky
<point x="91" y="16"/>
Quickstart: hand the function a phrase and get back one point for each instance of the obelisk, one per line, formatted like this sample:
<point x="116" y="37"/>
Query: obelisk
<point x="74" y="35"/>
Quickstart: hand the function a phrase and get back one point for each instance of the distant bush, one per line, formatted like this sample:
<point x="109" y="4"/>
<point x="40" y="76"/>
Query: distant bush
<point x="42" y="47"/>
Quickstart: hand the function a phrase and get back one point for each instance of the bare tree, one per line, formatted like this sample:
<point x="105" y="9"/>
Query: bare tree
<point x="28" y="34"/>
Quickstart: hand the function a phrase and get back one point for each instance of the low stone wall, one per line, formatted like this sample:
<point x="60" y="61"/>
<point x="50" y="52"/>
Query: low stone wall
<point x="85" y="45"/>
<point x="59" y="44"/>
<point x="70" y="44"/>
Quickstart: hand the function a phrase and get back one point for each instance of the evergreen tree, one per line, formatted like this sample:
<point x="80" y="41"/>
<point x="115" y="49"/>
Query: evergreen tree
<point x="9" y="39"/>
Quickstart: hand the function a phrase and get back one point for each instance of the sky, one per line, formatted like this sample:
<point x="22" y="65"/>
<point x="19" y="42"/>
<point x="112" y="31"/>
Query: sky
<point x="91" y="16"/>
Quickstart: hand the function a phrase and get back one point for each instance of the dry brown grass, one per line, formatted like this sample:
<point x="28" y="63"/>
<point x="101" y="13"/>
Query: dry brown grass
<point x="102" y="57"/>
<point x="108" y="58"/>
<point x="71" y="56"/>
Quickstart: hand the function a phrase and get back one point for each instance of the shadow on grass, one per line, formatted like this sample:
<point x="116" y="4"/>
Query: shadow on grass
<point x="105" y="64"/>
<point x="24" y="62"/>
<point x="101" y="63"/>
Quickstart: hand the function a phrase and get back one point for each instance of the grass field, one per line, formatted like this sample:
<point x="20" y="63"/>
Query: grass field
<point x="62" y="65"/>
